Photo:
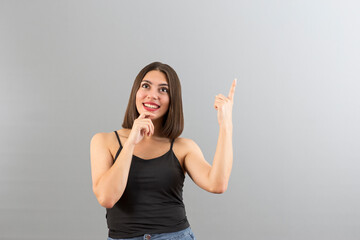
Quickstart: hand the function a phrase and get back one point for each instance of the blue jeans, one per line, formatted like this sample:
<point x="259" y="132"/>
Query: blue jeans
<point x="185" y="234"/>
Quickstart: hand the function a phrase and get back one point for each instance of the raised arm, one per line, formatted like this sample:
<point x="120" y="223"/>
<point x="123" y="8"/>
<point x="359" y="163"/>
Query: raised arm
<point x="214" y="178"/>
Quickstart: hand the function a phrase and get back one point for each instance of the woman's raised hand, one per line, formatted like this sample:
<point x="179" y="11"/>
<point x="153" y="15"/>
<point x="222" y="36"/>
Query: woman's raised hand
<point x="224" y="105"/>
<point x="142" y="125"/>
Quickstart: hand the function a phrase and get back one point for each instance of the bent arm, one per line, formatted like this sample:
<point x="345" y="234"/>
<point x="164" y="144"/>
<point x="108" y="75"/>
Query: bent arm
<point x="109" y="180"/>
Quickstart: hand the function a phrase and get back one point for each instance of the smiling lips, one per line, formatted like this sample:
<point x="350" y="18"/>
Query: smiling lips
<point x="151" y="106"/>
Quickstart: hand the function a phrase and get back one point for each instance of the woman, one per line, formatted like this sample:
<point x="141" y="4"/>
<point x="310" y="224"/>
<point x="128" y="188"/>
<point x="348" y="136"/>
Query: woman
<point x="138" y="171"/>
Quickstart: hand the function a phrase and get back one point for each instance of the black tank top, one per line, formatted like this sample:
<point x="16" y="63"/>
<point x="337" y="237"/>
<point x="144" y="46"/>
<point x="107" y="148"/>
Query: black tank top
<point x="152" y="201"/>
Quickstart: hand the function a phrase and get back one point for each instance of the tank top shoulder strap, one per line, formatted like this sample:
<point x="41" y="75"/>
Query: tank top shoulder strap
<point x="118" y="151"/>
<point x="172" y="143"/>
<point x="117" y="135"/>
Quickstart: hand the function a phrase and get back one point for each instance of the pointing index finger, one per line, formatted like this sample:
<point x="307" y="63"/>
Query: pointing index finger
<point x="232" y="89"/>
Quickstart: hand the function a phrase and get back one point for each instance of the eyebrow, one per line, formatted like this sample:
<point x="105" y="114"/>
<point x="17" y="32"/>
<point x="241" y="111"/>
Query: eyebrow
<point x="162" y="84"/>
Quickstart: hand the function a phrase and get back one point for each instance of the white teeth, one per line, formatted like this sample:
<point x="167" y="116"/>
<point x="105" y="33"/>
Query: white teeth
<point x="150" y="106"/>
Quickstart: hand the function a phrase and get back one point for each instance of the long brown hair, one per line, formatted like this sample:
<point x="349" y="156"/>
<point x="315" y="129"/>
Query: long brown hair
<point x="173" y="121"/>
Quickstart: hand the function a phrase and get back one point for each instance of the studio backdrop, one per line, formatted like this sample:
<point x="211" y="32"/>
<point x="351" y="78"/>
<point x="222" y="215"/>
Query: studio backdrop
<point x="66" y="71"/>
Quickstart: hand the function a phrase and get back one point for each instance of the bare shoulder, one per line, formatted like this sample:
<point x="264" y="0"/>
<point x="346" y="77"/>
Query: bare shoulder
<point x="108" y="138"/>
<point x="191" y="156"/>
<point x="99" y="141"/>
<point x="106" y="143"/>
<point x="98" y="138"/>
<point x="99" y="152"/>
<point x="185" y="141"/>
<point x="185" y="145"/>
<point x="181" y="142"/>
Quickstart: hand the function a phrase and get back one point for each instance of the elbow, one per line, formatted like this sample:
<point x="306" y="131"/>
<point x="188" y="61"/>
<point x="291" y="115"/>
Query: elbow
<point x="219" y="188"/>
<point x="104" y="201"/>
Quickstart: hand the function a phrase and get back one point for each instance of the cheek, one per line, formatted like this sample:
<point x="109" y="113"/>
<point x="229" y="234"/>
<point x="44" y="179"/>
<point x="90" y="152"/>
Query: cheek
<point x="168" y="102"/>
<point x="138" y="99"/>
<point x="139" y="95"/>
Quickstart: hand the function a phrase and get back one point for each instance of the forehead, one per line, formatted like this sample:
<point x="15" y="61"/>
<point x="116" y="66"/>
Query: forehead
<point x="156" y="77"/>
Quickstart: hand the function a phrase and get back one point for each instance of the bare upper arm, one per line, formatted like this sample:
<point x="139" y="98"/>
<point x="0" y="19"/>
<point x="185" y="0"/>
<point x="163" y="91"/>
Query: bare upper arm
<point x="196" y="165"/>
<point x="100" y="156"/>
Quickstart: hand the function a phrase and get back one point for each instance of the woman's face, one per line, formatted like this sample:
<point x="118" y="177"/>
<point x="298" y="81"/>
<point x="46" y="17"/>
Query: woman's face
<point x="153" y="94"/>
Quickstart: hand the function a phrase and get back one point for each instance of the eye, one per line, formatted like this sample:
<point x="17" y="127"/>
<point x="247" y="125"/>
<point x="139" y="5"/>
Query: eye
<point x="166" y="90"/>
<point x="145" y="84"/>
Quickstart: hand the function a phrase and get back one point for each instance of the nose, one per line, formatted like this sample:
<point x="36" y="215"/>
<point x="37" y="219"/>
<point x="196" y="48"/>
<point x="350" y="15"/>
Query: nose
<point x="153" y="94"/>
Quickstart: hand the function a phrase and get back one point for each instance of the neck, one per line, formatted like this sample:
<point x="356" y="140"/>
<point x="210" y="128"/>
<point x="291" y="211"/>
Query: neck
<point x="157" y="127"/>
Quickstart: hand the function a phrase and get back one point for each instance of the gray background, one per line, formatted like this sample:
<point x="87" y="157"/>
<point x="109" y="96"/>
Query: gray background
<point x="66" y="70"/>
